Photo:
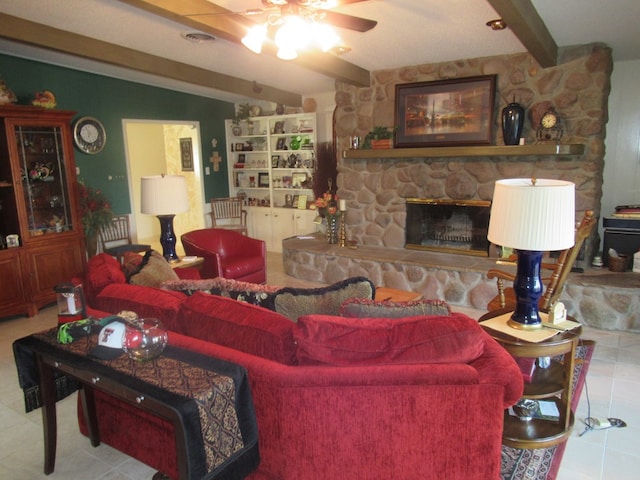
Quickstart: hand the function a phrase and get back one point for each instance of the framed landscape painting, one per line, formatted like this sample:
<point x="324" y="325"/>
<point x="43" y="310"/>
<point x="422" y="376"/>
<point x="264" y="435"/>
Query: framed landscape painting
<point x="445" y="112"/>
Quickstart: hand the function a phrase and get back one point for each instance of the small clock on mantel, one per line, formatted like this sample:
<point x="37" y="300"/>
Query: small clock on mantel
<point x="89" y="135"/>
<point x="550" y="127"/>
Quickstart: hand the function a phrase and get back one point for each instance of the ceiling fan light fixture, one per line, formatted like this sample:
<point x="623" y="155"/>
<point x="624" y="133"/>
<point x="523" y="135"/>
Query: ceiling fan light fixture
<point x="324" y="36"/>
<point x="287" y="53"/>
<point x="255" y="38"/>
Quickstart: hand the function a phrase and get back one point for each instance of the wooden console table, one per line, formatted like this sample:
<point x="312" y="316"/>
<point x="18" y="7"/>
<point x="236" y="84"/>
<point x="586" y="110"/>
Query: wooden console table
<point x="138" y="384"/>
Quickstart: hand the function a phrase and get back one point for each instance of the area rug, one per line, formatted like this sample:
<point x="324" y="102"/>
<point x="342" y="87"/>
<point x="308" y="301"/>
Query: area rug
<point x="544" y="463"/>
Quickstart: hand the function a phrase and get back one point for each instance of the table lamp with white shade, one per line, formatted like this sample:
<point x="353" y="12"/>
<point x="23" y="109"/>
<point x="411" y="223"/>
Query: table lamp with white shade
<point x="165" y="196"/>
<point x="532" y="216"/>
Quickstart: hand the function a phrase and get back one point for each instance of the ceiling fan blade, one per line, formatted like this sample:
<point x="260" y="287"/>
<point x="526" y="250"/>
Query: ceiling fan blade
<point x="343" y="20"/>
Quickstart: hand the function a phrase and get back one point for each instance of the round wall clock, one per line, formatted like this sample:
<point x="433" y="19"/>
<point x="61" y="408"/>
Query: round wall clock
<point x="89" y="135"/>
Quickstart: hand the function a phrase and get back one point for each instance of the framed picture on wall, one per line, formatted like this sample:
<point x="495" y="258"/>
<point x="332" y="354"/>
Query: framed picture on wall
<point x="186" y="154"/>
<point x="445" y="112"/>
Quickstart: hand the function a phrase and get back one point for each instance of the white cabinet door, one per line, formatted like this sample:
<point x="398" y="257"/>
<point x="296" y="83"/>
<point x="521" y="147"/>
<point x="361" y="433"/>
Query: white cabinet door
<point x="283" y="226"/>
<point x="303" y="221"/>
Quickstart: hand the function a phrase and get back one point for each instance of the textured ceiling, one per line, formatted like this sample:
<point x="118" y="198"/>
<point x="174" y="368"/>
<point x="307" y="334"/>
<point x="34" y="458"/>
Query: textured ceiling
<point x="409" y="32"/>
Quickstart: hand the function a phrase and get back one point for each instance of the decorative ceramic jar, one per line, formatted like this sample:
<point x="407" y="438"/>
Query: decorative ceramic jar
<point x="332" y="229"/>
<point x="512" y="122"/>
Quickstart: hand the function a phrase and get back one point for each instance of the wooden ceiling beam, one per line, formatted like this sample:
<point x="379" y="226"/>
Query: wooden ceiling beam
<point x="525" y="22"/>
<point x="39" y="35"/>
<point x="213" y="19"/>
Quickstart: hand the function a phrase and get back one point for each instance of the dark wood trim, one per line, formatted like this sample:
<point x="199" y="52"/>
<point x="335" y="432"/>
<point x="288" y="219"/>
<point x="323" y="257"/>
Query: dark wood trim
<point x="525" y="22"/>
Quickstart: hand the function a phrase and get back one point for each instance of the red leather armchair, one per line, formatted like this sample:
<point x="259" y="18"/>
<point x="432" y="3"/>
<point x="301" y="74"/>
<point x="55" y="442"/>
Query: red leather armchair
<point x="228" y="254"/>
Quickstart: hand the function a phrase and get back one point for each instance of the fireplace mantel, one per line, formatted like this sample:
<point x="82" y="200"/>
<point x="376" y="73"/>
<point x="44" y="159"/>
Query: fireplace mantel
<point x="481" y="151"/>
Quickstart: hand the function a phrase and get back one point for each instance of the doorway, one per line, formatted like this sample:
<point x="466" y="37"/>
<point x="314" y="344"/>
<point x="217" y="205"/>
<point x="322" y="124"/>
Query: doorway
<point x="153" y="148"/>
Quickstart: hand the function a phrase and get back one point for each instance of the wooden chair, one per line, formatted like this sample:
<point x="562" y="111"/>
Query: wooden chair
<point x="116" y="239"/>
<point x="228" y="213"/>
<point x="559" y="271"/>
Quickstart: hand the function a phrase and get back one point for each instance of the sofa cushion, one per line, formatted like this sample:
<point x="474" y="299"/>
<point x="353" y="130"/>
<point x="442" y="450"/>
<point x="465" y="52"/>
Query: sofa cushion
<point x="364" y="307"/>
<point x="248" y="328"/>
<point x="296" y="302"/>
<point x="340" y="341"/>
<point x="101" y="270"/>
<point x="254" y="293"/>
<point x="131" y="263"/>
<point x="152" y="271"/>
<point x="145" y="301"/>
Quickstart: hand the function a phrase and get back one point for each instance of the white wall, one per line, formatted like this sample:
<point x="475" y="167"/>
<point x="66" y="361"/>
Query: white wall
<point x="622" y="158"/>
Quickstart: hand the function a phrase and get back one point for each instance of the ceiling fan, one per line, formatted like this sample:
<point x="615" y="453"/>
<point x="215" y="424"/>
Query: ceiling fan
<point x="320" y="11"/>
<point x="295" y="25"/>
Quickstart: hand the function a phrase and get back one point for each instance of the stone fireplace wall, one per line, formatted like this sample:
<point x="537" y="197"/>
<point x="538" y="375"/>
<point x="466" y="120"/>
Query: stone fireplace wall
<point x="375" y="189"/>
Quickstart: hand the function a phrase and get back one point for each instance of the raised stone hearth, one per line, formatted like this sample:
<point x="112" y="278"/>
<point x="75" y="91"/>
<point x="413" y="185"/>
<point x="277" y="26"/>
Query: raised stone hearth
<point x="597" y="298"/>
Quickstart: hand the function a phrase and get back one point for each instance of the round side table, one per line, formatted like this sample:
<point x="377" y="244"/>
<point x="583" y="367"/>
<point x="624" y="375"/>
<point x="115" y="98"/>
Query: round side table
<point x="552" y="383"/>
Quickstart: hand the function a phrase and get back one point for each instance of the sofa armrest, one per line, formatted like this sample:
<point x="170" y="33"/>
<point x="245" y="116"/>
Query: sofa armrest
<point x="497" y="366"/>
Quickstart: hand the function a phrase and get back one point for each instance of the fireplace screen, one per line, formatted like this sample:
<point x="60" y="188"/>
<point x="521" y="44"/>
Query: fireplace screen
<point x="452" y="226"/>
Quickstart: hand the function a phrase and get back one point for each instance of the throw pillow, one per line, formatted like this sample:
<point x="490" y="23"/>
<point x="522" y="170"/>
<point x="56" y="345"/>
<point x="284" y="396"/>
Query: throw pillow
<point x="152" y="271"/>
<point x="296" y="302"/>
<point x="362" y="307"/>
<point x="340" y="341"/>
<point x="131" y="262"/>
<point x="253" y="293"/>
<point x="102" y="270"/>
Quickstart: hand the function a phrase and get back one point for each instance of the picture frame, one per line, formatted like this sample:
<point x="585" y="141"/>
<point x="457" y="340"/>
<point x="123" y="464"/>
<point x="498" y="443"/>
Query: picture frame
<point x="278" y="127"/>
<point x="186" y="154"/>
<point x="263" y="179"/>
<point x="302" y="202"/>
<point x="242" y="157"/>
<point x="452" y="112"/>
<point x="239" y="147"/>
<point x="298" y="179"/>
<point x="281" y="143"/>
<point x="275" y="161"/>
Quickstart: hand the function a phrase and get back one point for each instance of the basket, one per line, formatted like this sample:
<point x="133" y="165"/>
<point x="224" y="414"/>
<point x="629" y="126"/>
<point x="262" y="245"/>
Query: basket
<point x="619" y="263"/>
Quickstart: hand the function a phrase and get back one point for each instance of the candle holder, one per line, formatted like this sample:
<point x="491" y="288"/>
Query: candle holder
<point x="343" y="232"/>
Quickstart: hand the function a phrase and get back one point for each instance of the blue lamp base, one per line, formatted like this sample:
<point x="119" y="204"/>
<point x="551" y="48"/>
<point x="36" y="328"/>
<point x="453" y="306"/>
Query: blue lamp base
<point x="168" y="238"/>
<point x="527" y="287"/>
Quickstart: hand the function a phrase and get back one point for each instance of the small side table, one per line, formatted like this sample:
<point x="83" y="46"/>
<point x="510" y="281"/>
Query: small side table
<point x="197" y="263"/>
<point x="551" y="383"/>
<point x="395" y="295"/>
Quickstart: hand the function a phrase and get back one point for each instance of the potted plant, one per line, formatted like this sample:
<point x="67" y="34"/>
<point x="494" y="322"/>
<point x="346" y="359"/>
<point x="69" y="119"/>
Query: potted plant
<point x="379" y="137"/>
<point x="96" y="214"/>
<point x="242" y="113"/>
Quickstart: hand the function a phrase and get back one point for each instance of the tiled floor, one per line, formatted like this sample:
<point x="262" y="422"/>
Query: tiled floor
<point x="613" y="384"/>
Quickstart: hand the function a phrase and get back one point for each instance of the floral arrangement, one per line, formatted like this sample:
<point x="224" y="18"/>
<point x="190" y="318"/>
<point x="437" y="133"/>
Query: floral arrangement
<point x="95" y="210"/>
<point x="327" y="204"/>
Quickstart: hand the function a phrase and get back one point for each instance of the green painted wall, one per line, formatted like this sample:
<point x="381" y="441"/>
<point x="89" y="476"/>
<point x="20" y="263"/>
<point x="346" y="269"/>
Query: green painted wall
<point x="110" y="100"/>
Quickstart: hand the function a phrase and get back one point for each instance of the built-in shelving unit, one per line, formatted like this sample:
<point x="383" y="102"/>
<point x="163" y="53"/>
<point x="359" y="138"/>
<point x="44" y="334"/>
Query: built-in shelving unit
<point x="477" y="151"/>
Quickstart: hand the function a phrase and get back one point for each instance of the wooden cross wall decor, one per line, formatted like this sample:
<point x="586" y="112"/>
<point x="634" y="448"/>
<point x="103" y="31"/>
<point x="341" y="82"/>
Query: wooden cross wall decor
<point x="215" y="160"/>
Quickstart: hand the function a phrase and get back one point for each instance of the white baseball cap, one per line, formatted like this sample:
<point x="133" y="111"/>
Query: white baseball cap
<point x="110" y="340"/>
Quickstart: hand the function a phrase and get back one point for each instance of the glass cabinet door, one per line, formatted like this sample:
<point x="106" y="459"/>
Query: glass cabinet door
<point x="44" y="179"/>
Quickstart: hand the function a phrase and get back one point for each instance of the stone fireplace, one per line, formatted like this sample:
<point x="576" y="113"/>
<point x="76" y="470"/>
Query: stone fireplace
<point x="450" y="226"/>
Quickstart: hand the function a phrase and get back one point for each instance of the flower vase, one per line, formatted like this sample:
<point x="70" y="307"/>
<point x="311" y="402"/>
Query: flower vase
<point x="91" y="243"/>
<point x="332" y="229"/>
<point x="512" y="122"/>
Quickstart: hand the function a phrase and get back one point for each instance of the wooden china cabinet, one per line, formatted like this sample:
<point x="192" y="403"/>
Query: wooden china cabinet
<point x="40" y="224"/>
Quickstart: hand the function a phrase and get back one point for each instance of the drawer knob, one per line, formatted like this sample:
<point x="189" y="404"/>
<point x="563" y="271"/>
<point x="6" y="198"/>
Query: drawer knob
<point x="139" y="398"/>
<point x="95" y="380"/>
<point x="56" y="364"/>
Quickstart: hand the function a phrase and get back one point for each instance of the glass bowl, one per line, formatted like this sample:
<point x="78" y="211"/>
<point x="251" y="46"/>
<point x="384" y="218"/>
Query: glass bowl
<point x="144" y="339"/>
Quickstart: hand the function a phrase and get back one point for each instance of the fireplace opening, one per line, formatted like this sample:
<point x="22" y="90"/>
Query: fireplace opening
<point x="453" y="226"/>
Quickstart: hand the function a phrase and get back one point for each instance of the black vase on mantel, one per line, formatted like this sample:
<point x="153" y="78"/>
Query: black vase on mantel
<point x="512" y="122"/>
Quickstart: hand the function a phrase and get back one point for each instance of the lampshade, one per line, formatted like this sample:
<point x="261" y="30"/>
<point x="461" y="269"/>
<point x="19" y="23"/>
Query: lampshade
<point x="164" y="195"/>
<point x="533" y="214"/>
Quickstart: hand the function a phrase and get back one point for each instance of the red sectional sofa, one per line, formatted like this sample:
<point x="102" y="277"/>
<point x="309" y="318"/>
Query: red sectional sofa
<point x="335" y="398"/>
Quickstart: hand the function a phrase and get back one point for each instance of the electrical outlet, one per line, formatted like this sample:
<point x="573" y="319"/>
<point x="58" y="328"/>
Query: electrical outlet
<point x="207" y="171"/>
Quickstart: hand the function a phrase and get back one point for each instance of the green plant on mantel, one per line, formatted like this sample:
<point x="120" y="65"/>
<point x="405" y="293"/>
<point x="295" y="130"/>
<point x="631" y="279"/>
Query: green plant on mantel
<point x="378" y="133"/>
<point x="243" y="112"/>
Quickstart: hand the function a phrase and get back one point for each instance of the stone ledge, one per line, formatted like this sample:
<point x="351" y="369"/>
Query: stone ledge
<point x="597" y="298"/>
